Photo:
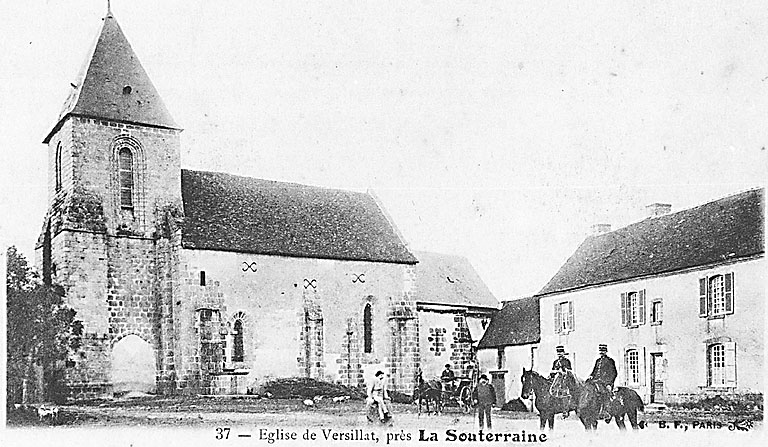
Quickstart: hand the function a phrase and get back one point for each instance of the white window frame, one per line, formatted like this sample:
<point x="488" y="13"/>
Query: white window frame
<point x="563" y="311"/>
<point x="657" y="315"/>
<point x="632" y="366"/>
<point x="717" y="292"/>
<point x="716" y="368"/>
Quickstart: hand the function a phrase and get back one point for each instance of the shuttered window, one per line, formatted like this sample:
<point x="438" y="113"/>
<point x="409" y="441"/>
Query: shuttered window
<point x="657" y="312"/>
<point x="564" y="317"/>
<point x="633" y="308"/>
<point x="632" y="366"/>
<point x="716" y="295"/>
<point x="125" y="167"/>
<point x="721" y="364"/>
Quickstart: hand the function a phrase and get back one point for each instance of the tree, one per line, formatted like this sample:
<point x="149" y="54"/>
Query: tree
<point x="42" y="333"/>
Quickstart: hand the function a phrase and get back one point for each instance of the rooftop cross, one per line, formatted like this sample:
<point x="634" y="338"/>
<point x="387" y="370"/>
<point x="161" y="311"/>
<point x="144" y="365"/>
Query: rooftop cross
<point x="109" y="8"/>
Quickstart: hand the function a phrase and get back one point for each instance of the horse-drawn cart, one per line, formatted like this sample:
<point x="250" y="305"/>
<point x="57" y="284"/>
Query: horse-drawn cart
<point x="456" y="392"/>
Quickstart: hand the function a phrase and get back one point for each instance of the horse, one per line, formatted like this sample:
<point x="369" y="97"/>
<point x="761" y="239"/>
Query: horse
<point x="547" y="404"/>
<point x="426" y="391"/>
<point x="624" y="402"/>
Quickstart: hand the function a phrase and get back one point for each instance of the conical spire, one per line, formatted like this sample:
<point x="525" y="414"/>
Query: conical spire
<point x="114" y="86"/>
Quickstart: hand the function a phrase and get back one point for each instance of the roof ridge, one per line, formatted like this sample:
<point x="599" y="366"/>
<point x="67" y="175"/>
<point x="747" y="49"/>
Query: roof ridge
<point x="282" y="182"/>
<point x="682" y="210"/>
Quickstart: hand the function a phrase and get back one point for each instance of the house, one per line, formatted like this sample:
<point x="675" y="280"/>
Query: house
<point x="511" y="343"/>
<point x="203" y="282"/>
<point x="678" y="298"/>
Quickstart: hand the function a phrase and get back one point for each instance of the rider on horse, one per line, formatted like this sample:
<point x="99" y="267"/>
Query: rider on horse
<point x="603" y="375"/>
<point x="561" y="365"/>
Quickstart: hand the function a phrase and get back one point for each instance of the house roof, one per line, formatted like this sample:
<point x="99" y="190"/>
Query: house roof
<point x="517" y="323"/>
<point x="726" y="229"/>
<point x="232" y="213"/>
<point x="450" y="279"/>
<point x="113" y="85"/>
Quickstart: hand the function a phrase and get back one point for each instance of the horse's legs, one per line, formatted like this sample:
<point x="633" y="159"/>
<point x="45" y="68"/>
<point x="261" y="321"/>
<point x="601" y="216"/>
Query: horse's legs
<point x="552" y="421"/>
<point x="620" y="422"/>
<point x="542" y="421"/>
<point x="632" y="414"/>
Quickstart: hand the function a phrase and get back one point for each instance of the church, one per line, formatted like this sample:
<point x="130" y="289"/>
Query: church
<point x="210" y="283"/>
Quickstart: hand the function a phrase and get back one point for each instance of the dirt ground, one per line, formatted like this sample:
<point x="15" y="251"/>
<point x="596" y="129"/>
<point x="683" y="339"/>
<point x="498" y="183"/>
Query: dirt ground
<point x="251" y="420"/>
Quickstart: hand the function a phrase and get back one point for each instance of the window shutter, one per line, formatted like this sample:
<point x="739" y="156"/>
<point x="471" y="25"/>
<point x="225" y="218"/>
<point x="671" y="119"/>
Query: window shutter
<point x="570" y="316"/>
<point x="557" y="318"/>
<point x="624" y="309"/>
<point x="728" y="293"/>
<point x="641" y="307"/>
<point x="642" y="367"/>
<point x="730" y="363"/>
<point x="626" y="367"/>
<point x="703" y="297"/>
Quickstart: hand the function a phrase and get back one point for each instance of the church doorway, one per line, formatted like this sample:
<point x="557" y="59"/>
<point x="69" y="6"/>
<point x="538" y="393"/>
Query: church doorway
<point x="133" y="366"/>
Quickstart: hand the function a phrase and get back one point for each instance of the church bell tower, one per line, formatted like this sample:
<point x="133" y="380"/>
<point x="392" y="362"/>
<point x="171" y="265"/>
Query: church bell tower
<point x="114" y="198"/>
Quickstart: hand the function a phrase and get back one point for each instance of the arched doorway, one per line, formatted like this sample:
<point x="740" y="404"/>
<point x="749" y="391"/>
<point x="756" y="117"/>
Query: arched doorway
<point x="133" y="365"/>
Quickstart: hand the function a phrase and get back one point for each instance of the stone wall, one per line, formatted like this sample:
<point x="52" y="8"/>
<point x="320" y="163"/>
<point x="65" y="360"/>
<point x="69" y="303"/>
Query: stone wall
<point x="113" y="262"/>
<point x="296" y="309"/>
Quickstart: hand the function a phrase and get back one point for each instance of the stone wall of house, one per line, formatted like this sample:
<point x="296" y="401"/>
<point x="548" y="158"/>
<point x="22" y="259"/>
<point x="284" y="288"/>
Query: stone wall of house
<point x="302" y="317"/>
<point x="444" y="339"/>
<point x="678" y="344"/>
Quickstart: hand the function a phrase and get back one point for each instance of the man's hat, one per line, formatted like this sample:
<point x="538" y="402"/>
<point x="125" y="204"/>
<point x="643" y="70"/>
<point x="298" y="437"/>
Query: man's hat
<point x="447" y="365"/>
<point x="560" y="349"/>
<point x="483" y="377"/>
<point x="602" y="348"/>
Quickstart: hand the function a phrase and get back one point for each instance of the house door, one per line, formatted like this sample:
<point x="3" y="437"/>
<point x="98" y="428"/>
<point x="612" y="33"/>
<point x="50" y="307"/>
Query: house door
<point x="657" y="381"/>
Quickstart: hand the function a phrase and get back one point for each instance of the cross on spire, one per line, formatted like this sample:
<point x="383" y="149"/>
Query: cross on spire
<point x="109" y="8"/>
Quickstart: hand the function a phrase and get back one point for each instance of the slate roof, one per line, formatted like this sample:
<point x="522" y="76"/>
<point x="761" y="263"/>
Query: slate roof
<point x="98" y="91"/>
<point x="726" y="229"/>
<point x="450" y="279"/>
<point x="242" y="214"/>
<point x="517" y="323"/>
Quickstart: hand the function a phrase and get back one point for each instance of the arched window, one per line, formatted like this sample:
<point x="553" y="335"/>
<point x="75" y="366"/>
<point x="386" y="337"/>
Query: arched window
<point x="237" y="343"/>
<point x="125" y="166"/>
<point x="368" y="329"/>
<point x="57" y="169"/>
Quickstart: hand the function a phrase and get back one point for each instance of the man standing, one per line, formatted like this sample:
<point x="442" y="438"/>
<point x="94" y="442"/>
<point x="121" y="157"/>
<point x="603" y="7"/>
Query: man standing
<point x="604" y="374"/>
<point x="377" y="394"/>
<point x="484" y="396"/>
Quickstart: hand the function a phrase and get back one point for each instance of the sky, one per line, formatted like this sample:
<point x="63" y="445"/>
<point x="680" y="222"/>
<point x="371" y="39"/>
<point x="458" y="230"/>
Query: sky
<point x="496" y="130"/>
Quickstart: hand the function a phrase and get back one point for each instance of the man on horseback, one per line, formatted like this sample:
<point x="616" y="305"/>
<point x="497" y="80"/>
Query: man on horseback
<point x="561" y="366"/>
<point x="561" y="363"/>
<point x="603" y="375"/>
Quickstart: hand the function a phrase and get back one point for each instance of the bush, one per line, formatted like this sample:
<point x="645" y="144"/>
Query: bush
<point x="400" y="398"/>
<point x="515" y="405"/>
<point x="737" y="403"/>
<point x="304" y="388"/>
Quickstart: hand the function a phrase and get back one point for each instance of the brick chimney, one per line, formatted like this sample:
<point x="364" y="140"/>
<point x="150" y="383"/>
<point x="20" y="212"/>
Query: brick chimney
<point x="658" y="209"/>
<point x="600" y="228"/>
